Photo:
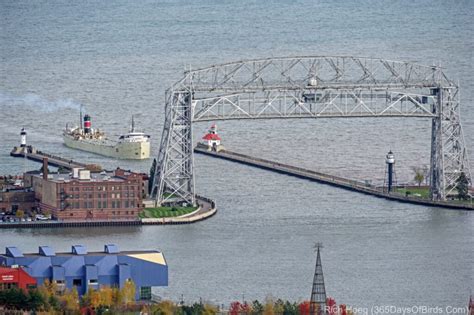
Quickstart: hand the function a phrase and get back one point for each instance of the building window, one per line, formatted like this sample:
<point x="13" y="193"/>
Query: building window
<point x="85" y="204"/>
<point x="118" y="204"/>
<point x="104" y="204"/>
<point x="31" y="286"/>
<point x="113" y="196"/>
<point x="113" y="204"/>
<point x="77" y="282"/>
<point x="7" y="286"/>
<point x="145" y="293"/>
<point x="90" y="196"/>
<point x="91" y="205"/>
<point x="93" y="282"/>
<point x="118" y="195"/>
<point x="126" y="203"/>
<point x="76" y="205"/>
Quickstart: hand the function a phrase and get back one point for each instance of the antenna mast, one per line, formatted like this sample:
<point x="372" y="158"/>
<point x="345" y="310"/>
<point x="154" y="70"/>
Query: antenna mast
<point x="317" y="304"/>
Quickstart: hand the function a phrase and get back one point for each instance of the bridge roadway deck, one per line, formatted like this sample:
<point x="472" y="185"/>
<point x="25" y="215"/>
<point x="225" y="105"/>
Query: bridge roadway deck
<point x="38" y="156"/>
<point x="327" y="179"/>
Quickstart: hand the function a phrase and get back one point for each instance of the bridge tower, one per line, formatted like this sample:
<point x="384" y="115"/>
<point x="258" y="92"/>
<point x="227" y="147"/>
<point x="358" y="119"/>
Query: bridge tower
<point x="317" y="304"/>
<point x="174" y="172"/>
<point x="448" y="150"/>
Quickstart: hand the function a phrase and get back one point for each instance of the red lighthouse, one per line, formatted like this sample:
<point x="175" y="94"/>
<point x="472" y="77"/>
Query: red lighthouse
<point x="213" y="141"/>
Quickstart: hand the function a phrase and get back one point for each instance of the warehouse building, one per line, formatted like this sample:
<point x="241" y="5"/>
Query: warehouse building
<point x="15" y="278"/>
<point x="83" y="270"/>
<point x="82" y="195"/>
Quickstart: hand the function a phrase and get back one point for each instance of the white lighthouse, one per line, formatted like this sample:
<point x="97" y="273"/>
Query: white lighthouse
<point x="213" y="141"/>
<point x="23" y="138"/>
<point x="390" y="161"/>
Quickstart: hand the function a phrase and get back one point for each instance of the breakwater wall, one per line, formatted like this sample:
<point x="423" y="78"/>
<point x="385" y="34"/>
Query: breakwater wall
<point x="336" y="181"/>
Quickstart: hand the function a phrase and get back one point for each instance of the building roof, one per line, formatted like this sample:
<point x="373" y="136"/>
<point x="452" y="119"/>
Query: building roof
<point x="153" y="256"/>
<point x="211" y="136"/>
<point x="4" y="270"/>
<point x="94" y="177"/>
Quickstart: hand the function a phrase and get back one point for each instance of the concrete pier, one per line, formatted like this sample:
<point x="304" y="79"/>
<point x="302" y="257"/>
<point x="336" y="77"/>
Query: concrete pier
<point x="38" y="156"/>
<point x="328" y="179"/>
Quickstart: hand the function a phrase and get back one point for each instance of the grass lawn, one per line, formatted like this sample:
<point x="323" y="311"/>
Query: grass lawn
<point x="423" y="191"/>
<point x="165" y="212"/>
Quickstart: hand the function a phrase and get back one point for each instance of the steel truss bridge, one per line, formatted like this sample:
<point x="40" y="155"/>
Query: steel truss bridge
<point x="309" y="87"/>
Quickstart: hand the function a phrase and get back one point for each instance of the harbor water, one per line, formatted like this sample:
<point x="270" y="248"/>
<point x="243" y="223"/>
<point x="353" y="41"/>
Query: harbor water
<point x="118" y="58"/>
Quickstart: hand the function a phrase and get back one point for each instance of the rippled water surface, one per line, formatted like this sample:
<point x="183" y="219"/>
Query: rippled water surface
<point x="118" y="58"/>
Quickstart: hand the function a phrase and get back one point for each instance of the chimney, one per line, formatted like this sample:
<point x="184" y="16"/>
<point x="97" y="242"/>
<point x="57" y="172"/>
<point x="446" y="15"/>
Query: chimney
<point x="45" y="168"/>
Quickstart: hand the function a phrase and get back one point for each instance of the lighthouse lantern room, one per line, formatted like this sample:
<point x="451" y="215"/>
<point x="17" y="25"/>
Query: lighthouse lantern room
<point x="23" y="138"/>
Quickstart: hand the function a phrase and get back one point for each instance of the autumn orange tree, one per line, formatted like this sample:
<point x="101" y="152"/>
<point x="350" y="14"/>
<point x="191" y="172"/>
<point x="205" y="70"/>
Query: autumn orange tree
<point x="128" y="292"/>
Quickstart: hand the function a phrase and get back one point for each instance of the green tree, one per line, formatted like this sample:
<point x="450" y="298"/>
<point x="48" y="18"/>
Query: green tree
<point x="462" y="185"/>
<point x="36" y="300"/>
<point x="257" y="308"/>
<point x="419" y="175"/>
<point x="14" y="298"/>
<point x="290" y="308"/>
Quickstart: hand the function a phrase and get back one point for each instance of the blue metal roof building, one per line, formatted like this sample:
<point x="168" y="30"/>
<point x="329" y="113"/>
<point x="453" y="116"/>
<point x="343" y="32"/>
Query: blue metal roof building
<point x="84" y="270"/>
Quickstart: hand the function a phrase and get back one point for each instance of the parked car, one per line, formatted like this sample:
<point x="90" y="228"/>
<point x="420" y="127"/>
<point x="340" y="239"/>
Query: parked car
<point x="40" y="217"/>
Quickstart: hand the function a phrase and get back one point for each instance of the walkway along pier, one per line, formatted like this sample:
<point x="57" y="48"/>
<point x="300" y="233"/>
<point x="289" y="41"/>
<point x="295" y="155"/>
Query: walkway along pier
<point x="326" y="179"/>
<point x="38" y="156"/>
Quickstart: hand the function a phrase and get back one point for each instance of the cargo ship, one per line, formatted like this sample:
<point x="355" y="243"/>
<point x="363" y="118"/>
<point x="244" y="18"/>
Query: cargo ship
<point x="132" y="145"/>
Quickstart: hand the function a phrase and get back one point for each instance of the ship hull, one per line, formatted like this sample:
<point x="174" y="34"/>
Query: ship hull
<point x="120" y="150"/>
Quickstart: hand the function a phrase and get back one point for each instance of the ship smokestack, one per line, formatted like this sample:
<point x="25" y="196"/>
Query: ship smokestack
<point x="23" y="138"/>
<point x="45" y="168"/>
<point x="87" y="124"/>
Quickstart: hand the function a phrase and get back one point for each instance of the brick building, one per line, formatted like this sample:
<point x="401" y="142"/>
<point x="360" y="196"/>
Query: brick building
<point x="82" y="195"/>
<point x="13" y="199"/>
